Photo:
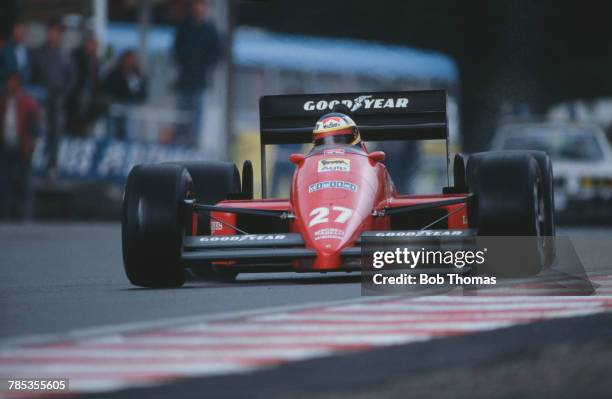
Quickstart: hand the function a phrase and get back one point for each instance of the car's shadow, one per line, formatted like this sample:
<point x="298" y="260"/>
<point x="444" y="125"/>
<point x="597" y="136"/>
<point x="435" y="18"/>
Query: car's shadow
<point x="276" y="279"/>
<point x="265" y="279"/>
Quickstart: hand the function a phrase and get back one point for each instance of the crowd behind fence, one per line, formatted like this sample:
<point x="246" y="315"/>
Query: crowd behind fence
<point x="50" y="93"/>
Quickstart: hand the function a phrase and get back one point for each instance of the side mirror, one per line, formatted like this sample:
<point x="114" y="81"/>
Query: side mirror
<point x="377" y="156"/>
<point x="296" y="159"/>
<point x="459" y="177"/>
<point x="247" y="179"/>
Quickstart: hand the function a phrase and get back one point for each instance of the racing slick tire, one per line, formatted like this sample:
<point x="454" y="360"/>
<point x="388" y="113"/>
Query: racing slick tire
<point x="152" y="223"/>
<point x="545" y="165"/>
<point x="548" y="192"/>
<point x="212" y="182"/>
<point x="510" y="199"/>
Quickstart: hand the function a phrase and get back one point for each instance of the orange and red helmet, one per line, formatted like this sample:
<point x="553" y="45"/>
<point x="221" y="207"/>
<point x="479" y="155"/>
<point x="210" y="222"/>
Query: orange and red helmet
<point x="335" y="128"/>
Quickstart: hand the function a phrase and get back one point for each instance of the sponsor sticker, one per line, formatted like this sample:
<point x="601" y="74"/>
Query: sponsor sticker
<point x="342" y="185"/>
<point x="421" y="233"/>
<point x="215" y="225"/>
<point x="329" y="233"/>
<point x="334" y="151"/>
<point x="364" y="101"/>
<point x="331" y="122"/>
<point x="334" y="165"/>
<point x="246" y="237"/>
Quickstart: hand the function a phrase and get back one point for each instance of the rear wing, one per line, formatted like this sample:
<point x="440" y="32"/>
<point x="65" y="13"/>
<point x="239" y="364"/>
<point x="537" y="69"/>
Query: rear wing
<point x="380" y="116"/>
<point x="400" y="115"/>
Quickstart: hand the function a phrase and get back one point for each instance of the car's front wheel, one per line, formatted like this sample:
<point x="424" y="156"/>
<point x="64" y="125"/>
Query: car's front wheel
<point x="512" y="200"/>
<point x="152" y="224"/>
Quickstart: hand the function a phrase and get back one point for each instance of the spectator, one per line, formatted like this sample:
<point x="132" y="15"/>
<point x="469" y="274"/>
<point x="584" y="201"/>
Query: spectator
<point x="14" y="56"/>
<point x="126" y="85"/>
<point x="19" y="126"/>
<point x="82" y="104"/>
<point x="196" y="50"/>
<point x="52" y="70"/>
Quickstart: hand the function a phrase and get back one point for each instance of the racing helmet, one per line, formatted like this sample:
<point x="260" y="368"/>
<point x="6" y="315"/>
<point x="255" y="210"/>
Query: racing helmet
<point x="335" y="128"/>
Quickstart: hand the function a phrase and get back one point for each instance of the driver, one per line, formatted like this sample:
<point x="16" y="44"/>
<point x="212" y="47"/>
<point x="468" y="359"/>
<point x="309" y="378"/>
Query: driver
<point x="335" y="128"/>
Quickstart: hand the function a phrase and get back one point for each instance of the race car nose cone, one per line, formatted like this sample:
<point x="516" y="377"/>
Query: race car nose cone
<point x="328" y="255"/>
<point x="334" y="196"/>
<point x="329" y="240"/>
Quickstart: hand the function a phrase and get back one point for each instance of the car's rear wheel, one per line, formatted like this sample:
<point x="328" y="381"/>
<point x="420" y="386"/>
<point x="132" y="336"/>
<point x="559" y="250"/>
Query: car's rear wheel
<point x="212" y="182"/>
<point x="545" y="164"/>
<point x="152" y="224"/>
<point x="511" y="199"/>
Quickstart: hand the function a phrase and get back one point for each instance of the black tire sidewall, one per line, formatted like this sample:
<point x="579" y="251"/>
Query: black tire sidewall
<point x="545" y="164"/>
<point x="152" y="225"/>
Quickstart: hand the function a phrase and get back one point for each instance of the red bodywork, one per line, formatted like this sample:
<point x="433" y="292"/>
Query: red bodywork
<point x="335" y="196"/>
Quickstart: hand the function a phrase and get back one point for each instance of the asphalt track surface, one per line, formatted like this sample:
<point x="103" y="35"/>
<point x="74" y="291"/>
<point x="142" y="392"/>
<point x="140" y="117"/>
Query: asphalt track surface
<point x="65" y="283"/>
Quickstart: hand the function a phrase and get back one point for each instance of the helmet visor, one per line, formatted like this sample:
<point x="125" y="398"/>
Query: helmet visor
<point x="347" y="137"/>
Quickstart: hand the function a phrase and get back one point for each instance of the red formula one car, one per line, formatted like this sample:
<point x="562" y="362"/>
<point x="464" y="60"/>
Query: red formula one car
<point x="202" y="215"/>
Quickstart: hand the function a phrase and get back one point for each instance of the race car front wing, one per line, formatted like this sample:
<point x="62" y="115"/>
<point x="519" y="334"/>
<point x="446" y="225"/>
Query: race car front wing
<point x="256" y="248"/>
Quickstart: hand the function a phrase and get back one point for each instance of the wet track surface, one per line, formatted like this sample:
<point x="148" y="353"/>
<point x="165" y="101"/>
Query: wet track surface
<point x="59" y="278"/>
